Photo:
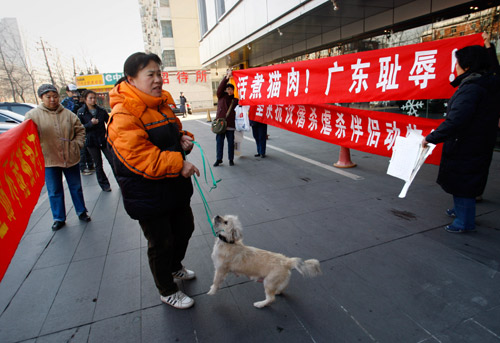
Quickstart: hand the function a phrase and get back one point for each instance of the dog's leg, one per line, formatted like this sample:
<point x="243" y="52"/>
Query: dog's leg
<point x="220" y="275"/>
<point x="269" y="299"/>
<point x="270" y="289"/>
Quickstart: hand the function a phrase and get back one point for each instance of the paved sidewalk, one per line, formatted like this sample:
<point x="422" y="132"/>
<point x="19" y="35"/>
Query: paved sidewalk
<point x="390" y="271"/>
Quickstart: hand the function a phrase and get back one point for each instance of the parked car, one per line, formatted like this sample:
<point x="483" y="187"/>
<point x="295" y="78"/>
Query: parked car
<point x="10" y="117"/>
<point x="6" y="126"/>
<point x="175" y="109"/>
<point x="17" y="107"/>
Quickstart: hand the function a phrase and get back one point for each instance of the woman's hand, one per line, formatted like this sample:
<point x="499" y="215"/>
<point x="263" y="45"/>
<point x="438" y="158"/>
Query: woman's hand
<point x="94" y="121"/>
<point x="186" y="143"/>
<point x="188" y="169"/>
<point x="424" y="143"/>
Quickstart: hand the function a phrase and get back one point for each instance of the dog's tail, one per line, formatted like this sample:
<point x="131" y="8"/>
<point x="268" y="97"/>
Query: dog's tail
<point x="309" y="268"/>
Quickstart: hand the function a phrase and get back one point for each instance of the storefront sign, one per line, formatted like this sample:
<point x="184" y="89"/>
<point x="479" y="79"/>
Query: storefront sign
<point x="111" y="78"/>
<point x="85" y="81"/>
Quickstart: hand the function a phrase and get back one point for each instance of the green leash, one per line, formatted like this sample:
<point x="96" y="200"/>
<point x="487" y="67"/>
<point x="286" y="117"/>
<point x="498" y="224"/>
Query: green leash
<point x="208" y="212"/>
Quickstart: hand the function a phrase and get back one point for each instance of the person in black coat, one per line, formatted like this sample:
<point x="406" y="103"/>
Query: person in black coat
<point x="94" y="119"/>
<point x="469" y="132"/>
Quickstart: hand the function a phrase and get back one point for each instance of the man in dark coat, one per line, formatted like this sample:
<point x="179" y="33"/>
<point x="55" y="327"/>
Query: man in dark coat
<point x="469" y="132"/>
<point x="225" y="109"/>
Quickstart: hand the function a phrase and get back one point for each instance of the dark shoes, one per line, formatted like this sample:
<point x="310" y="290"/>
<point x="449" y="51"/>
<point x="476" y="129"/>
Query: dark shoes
<point x="107" y="189"/>
<point x="453" y="229"/>
<point x="231" y="163"/>
<point x="84" y="217"/>
<point x="257" y="155"/>
<point x="57" y="225"/>
<point x="217" y="163"/>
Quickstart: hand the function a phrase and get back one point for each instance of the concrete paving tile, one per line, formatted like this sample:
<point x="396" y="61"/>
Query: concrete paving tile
<point x="76" y="299"/>
<point x="27" y="311"/>
<point x="126" y="234"/>
<point x="423" y="285"/>
<point x="120" y="287"/>
<point x="29" y="250"/>
<point x="163" y="323"/>
<point x="61" y="248"/>
<point x="124" y="328"/>
<point x="94" y="241"/>
<point x="79" y="334"/>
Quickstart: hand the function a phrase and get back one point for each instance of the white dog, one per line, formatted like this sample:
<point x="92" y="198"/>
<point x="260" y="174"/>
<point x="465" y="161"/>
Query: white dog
<point x="231" y="255"/>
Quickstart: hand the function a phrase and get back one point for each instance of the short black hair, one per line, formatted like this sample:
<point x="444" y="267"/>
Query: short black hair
<point x="87" y="92"/>
<point x="136" y="62"/>
<point x="230" y="85"/>
<point x="473" y="58"/>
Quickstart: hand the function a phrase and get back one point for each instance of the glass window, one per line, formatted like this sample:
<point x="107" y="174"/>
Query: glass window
<point x="164" y="3"/>
<point x="166" y="29"/>
<point x="168" y="57"/>
<point x="203" y="17"/>
<point x="220" y="8"/>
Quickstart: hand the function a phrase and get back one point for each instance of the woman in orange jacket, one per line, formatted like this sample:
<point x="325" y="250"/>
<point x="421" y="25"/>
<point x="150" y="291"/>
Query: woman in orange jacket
<point x="148" y="147"/>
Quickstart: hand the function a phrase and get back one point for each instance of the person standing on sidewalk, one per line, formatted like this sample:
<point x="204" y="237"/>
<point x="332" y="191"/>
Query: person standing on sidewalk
<point x="72" y="102"/>
<point x="94" y="119"/>
<point x="61" y="138"/>
<point x="148" y="147"/>
<point x="182" y="107"/>
<point x="469" y="132"/>
<point x="225" y="109"/>
<point x="259" y="132"/>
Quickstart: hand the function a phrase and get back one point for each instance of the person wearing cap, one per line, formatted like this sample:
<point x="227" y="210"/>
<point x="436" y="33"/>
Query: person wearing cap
<point x="72" y="103"/>
<point x="225" y="109"/>
<point x="61" y="137"/>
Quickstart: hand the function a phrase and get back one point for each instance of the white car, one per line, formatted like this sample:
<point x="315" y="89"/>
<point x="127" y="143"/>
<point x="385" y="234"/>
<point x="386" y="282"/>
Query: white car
<point x="17" y="107"/>
<point x="10" y="117"/>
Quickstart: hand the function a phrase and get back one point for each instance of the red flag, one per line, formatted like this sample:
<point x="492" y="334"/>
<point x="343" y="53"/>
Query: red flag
<point x="22" y="176"/>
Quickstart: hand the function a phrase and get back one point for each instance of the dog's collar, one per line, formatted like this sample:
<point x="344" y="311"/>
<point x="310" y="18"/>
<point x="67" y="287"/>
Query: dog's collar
<point x="224" y="239"/>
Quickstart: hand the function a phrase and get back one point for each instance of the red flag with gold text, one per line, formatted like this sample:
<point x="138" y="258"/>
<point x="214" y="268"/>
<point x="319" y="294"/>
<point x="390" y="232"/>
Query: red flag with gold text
<point x="22" y="176"/>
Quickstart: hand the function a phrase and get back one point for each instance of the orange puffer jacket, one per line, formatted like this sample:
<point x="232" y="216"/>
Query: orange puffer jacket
<point x="144" y="137"/>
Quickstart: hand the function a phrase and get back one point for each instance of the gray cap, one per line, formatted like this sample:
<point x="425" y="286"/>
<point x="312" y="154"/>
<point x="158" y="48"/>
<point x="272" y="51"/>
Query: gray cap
<point x="46" y="88"/>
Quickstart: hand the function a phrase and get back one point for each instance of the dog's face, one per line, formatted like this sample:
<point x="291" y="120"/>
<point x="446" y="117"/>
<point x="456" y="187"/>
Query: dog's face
<point x="228" y="226"/>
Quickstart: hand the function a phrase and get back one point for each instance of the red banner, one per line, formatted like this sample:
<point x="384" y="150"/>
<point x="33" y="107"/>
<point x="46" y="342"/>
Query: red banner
<point x="418" y="71"/>
<point x="369" y="131"/>
<point x="22" y="175"/>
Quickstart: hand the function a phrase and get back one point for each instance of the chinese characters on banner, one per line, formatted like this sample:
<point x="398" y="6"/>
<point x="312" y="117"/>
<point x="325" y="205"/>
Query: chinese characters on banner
<point x="22" y="176"/>
<point x="184" y="76"/>
<point x="369" y="131"/>
<point x="419" y="71"/>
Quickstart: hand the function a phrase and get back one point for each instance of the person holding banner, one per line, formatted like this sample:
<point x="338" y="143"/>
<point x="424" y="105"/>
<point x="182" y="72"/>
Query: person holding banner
<point x="62" y="136"/>
<point x="259" y="132"/>
<point x="469" y="132"/>
<point x="225" y="109"/>
<point x="148" y="147"/>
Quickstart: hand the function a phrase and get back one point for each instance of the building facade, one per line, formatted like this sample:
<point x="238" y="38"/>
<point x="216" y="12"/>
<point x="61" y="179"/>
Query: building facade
<point x="171" y="30"/>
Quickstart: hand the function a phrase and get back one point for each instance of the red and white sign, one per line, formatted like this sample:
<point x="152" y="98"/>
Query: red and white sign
<point x="418" y="71"/>
<point x="369" y="131"/>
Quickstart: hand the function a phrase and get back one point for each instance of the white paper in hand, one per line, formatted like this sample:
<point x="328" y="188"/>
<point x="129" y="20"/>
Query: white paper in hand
<point x="408" y="155"/>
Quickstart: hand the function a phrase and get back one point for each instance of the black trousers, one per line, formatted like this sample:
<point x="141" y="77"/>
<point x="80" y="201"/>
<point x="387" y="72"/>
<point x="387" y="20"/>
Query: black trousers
<point x="95" y="152"/>
<point x="168" y="237"/>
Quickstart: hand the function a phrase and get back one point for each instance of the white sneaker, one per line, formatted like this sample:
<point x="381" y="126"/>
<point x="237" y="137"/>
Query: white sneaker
<point x="178" y="300"/>
<point x="184" y="274"/>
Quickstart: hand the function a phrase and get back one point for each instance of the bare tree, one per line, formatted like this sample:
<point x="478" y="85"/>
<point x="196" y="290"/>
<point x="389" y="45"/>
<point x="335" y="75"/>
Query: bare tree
<point x="14" y="68"/>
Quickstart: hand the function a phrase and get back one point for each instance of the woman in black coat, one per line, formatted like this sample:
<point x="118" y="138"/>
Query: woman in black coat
<point x="94" y="119"/>
<point x="469" y="132"/>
